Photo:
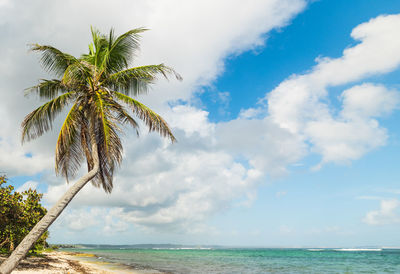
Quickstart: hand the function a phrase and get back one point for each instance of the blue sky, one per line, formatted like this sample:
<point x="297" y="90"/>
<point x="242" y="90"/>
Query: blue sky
<point x="284" y="138"/>
<point x="322" y="29"/>
<point x="331" y="197"/>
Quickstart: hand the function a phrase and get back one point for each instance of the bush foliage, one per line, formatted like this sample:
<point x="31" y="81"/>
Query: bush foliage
<point x="19" y="212"/>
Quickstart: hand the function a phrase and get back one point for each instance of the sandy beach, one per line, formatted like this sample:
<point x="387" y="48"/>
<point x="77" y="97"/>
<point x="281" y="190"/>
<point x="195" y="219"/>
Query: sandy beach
<point x="58" y="262"/>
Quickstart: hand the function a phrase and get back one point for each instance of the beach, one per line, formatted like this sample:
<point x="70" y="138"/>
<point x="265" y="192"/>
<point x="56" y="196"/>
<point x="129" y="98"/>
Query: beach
<point x="58" y="262"/>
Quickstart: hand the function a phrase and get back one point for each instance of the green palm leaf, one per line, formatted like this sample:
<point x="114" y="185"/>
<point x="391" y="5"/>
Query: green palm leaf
<point x="135" y="81"/>
<point x="122" y="49"/>
<point x="69" y="154"/>
<point x="48" y="89"/>
<point x="154" y="121"/>
<point x="88" y="83"/>
<point x="54" y="60"/>
<point x="41" y="119"/>
<point x="78" y="75"/>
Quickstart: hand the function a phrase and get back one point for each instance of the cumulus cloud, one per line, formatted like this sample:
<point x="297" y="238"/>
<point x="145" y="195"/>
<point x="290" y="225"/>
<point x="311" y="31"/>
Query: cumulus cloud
<point x="170" y="187"/>
<point x="266" y="146"/>
<point x="16" y="160"/>
<point x="388" y="213"/>
<point x="354" y="131"/>
<point x="158" y="183"/>
<point x="113" y="224"/>
<point x="181" y="38"/>
<point x="301" y="103"/>
<point x="368" y="100"/>
<point x="80" y="219"/>
<point x="213" y="165"/>
<point x="175" y="186"/>
<point x="28" y="185"/>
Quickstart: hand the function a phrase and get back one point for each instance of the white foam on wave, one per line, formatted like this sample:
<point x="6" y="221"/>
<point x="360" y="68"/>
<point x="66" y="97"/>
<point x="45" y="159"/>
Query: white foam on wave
<point x="358" y="249"/>
<point x="183" y="248"/>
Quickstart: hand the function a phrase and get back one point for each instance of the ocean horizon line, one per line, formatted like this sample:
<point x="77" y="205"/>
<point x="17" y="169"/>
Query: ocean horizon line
<point x="212" y="246"/>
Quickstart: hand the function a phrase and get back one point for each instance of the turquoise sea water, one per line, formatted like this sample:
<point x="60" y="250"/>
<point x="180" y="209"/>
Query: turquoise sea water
<point x="252" y="260"/>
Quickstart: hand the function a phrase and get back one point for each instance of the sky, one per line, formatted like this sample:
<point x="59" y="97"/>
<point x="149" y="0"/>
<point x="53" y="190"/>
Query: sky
<point x="287" y="122"/>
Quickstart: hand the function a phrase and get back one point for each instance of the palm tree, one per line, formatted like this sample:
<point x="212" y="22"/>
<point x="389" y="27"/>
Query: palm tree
<point x="98" y="86"/>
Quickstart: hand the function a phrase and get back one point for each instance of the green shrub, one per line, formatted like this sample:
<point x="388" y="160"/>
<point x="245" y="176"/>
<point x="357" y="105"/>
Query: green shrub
<point x="19" y="212"/>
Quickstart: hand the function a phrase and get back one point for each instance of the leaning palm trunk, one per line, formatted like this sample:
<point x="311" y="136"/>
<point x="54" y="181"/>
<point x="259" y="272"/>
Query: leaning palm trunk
<point x="22" y="249"/>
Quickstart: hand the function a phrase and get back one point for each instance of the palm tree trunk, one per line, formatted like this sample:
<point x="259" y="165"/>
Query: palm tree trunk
<point x="22" y="249"/>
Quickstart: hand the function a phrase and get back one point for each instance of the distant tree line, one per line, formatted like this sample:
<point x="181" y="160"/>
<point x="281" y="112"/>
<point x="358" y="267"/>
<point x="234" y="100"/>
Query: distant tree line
<point x="19" y="212"/>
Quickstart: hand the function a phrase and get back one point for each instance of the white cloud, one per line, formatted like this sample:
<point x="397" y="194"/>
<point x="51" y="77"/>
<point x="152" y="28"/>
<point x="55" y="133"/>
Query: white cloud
<point x="353" y="132"/>
<point x="80" y="219"/>
<point x="28" y="185"/>
<point x="85" y="218"/>
<point x="113" y="224"/>
<point x="181" y="38"/>
<point x="16" y="160"/>
<point x="4" y="2"/>
<point x="159" y="183"/>
<point x="213" y="164"/>
<point x="368" y="100"/>
<point x="252" y="113"/>
<point x="266" y="146"/>
<point x="341" y="141"/>
<point x="388" y="213"/>
<point x="178" y="186"/>
<point x="191" y="120"/>
<point x="183" y="187"/>
<point x="301" y="105"/>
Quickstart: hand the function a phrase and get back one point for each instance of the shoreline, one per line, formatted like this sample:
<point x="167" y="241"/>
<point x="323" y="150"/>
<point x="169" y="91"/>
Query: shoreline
<point x="57" y="262"/>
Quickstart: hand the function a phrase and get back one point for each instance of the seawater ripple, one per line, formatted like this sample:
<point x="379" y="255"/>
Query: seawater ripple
<point x="254" y="260"/>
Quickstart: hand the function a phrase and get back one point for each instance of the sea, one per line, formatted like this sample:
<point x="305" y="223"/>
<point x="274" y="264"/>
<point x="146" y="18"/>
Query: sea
<point x="179" y="259"/>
